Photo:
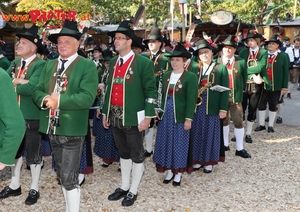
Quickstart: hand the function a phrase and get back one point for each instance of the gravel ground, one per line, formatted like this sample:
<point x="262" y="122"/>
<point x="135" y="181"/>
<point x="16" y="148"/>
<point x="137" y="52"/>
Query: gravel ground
<point x="266" y="182"/>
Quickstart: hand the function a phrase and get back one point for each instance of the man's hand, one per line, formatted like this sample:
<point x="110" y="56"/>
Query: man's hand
<point x="104" y="122"/>
<point x="144" y="124"/>
<point x="52" y="101"/>
<point x="2" y="166"/>
<point x="20" y="82"/>
<point x="98" y="113"/>
<point x="283" y="92"/>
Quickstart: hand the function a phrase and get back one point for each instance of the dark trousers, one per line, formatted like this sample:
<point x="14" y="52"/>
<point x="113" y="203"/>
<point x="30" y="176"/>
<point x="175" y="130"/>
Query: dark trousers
<point x="67" y="153"/>
<point x="271" y="98"/>
<point x="251" y="97"/>
<point x="32" y="141"/>
<point x="128" y="140"/>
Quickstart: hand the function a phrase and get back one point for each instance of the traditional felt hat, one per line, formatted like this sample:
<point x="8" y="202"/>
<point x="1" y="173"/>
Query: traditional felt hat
<point x="31" y="34"/>
<point x="286" y="39"/>
<point x="107" y="55"/>
<point x="90" y="41"/>
<point x="231" y="40"/>
<point x="252" y="33"/>
<point x="275" y="39"/>
<point x="43" y="50"/>
<point x="140" y="44"/>
<point x="166" y="41"/>
<point x="125" y="28"/>
<point x="155" y="34"/>
<point x="180" y="51"/>
<point x="98" y="48"/>
<point x="69" y="28"/>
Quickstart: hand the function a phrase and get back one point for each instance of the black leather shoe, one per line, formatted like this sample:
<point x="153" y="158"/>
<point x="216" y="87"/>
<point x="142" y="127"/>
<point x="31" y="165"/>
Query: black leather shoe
<point x="148" y="154"/>
<point x="197" y="169"/>
<point x="248" y="139"/>
<point x="233" y="139"/>
<point x="176" y="183"/>
<point x="129" y="199"/>
<point x="242" y="153"/>
<point x="168" y="181"/>
<point x="32" y="197"/>
<point x="207" y="171"/>
<point x="271" y="129"/>
<point x="104" y="165"/>
<point x="267" y="119"/>
<point x="288" y="96"/>
<point x="226" y="148"/>
<point x="279" y="120"/>
<point x="118" y="194"/>
<point x="260" y="128"/>
<point x="8" y="192"/>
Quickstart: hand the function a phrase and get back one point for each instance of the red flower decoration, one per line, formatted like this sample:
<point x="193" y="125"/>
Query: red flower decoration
<point x="253" y="32"/>
<point x="2" y="42"/>
<point x="186" y="45"/>
<point x="236" y="39"/>
<point x="213" y="45"/>
<point x="209" y="40"/>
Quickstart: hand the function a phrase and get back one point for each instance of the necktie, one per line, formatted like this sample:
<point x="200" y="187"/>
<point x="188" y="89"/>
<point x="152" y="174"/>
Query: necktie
<point x="253" y="53"/>
<point x="121" y="61"/>
<point x="23" y="64"/>
<point x="228" y="63"/>
<point x="153" y="57"/>
<point x="62" y="68"/>
<point x="271" y="55"/>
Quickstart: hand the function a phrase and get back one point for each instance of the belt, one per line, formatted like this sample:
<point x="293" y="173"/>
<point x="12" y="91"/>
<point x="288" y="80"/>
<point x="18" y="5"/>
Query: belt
<point x="117" y="111"/>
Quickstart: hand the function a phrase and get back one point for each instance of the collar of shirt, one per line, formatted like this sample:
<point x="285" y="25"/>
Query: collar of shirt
<point x="127" y="56"/>
<point x="225" y="60"/>
<point x="274" y="53"/>
<point x="29" y="60"/>
<point x="70" y="60"/>
<point x="255" y="50"/>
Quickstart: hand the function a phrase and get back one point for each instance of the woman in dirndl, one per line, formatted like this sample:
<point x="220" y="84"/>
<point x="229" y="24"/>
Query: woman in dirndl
<point x="179" y="95"/>
<point x="211" y="107"/>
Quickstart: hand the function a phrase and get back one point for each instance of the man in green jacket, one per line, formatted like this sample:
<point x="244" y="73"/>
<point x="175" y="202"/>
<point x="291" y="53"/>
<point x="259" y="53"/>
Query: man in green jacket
<point x="12" y="125"/>
<point x="65" y="92"/>
<point x="25" y="72"/>
<point x="237" y="73"/>
<point x="130" y="89"/>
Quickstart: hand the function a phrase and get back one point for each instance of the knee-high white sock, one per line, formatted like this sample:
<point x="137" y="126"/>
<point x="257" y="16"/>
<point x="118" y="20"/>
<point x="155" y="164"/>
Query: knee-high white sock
<point x="126" y="166"/>
<point x="177" y="177"/>
<point x="290" y="87"/>
<point x="249" y="127"/>
<point x="15" y="174"/>
<point x="262" y="117"/>
<point x="226" y="135"/>
<point x="149" y="139"/>
<point x="65" y="196"/>
<point x="73" y="199"/>
<point x="272" y="116"/>
<point x="137" y="173"/>
<point x="280" y="109"/>
<point x="35" y="176"/>
<point x="239" y="135"/>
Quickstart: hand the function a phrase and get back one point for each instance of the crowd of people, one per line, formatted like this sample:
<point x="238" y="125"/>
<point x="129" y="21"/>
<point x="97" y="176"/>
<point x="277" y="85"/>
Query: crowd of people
<point x="189" y="93"/>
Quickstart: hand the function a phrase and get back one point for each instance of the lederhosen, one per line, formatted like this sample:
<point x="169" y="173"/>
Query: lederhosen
<point x="294" y="70"/>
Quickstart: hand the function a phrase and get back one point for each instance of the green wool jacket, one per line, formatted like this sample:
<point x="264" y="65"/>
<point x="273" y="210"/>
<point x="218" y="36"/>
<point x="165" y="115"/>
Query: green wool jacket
<point x="29" y="109"/>
<point x="138" y="85"/>
<point x="239" y="73"/>
<point x="12" y="124"/>
<point x="280" y="72"/>
<point x="185" y="95"/>
<point x="74" y="101"/>
<point x="193" y="67"/>
<point x="4" y="63"/>
<point x="262" y="57"/>
<point x="216" y="101"/>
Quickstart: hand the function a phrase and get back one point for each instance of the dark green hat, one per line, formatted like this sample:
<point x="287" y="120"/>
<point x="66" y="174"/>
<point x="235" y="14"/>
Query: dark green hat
<point x="107" y="55"/>
<point x="69" y="29"/>
<point x="286" y="39"/>
<point x="32" y="35"/>
<point x="98" y="48"/>
<point x="90" y="41"/>
<point x="180" y="51"/>
<point x="275" y="39"/>
<point x="231" y="40"/>
<point x="125" y="28"/>
<point x="201" y="44"/>
<point x="155" y="34"/>
<point x="252" y="33"/>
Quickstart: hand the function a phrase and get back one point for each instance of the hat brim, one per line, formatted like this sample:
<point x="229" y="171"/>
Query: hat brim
<point x="53" y="37"/>
<point x="196" y="52"/>
<point x="179" y="54"/>
<point x="269" y="41"/>
<point x="222" y="45"/>
<point x="132" y="36"/>
<point x="253" y="36"/>
<point x="34" y="40"/>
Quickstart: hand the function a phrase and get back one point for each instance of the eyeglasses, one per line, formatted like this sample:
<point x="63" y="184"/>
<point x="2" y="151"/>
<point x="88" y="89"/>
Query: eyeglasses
<point x="120" y="38"/>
